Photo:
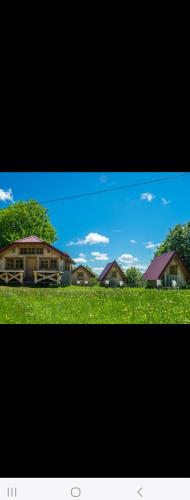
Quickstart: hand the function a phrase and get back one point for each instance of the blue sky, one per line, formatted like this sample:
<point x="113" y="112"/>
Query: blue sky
<point x="123" y="225"/>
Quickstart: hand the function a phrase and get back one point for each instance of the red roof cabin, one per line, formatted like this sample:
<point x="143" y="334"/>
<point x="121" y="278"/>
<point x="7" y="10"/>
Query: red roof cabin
<point x="166" y="269"/>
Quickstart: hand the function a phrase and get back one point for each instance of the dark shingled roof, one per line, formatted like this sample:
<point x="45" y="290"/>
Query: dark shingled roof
<point x="159" y="264"/>
<point x="108" y="267"/>
<point x="105" y="270"/>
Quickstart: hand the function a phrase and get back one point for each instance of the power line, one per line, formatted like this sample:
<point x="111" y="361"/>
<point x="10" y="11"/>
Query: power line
<point x="127" y="186"/>
<point x="116" y="188"/>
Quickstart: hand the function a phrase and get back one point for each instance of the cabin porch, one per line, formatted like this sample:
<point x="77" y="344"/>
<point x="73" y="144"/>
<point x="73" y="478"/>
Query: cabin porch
<point x="173" y="273"/>
<point x="37" y="277"/>
<point x="167" y="280"/>
<point x="12" y="275"/>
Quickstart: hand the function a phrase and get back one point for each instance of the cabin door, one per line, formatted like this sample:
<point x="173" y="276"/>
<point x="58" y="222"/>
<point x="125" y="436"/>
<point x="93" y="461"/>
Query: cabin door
<point x="31" y="266"/>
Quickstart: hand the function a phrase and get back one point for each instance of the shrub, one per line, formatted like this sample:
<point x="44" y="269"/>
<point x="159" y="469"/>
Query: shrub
<point x="93" y="281"/>
<point x="134" y="277"/>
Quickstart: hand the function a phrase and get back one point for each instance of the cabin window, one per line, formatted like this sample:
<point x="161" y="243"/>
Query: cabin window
<point x="53" y="263"/>
<point x="39" y="251"/>
<point x="23" y="251"/>
<point x="19" y="264"/>
<point x="31" y="251"/>
<point x="44" y="264"/>
<point x="66" y="266"/>
<point x="80" y="275"/>
<point x="114" y="274"/>
<point x="173" y="270"/>
<point x="9" y="264"/>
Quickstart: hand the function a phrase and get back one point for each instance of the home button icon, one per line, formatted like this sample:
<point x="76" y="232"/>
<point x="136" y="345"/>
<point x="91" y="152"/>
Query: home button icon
<point x="76" y="492"/>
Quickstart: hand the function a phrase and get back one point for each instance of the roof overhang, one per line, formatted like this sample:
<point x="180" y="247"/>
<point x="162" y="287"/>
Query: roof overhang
<point x="44" y="243"/>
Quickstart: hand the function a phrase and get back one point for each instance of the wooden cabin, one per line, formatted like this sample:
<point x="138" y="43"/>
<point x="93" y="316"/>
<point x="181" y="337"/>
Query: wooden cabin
<point x="81" y="276"/>
<point x="167" y="269"/>
<point x="112" y="275"/>
<point x="32" y="261"/>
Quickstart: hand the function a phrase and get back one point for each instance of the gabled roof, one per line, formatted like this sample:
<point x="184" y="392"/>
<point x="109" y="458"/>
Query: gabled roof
<point x="66" y="255"/>
<point x="35" y="239"/>
<point x="85" y="269"/>
<point x="5" y="248"/>
<point x="159" y="264"/>
<point x="30" y="239"/>
<point x="108" y="267"/>
<point x="105" y="270"/>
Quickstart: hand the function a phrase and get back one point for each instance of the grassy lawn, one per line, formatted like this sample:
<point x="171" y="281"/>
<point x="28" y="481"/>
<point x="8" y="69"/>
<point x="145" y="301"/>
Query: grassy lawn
<point x="74" y="305"/>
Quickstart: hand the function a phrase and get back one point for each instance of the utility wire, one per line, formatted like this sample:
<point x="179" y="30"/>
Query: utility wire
<point x="161" y="179"/>
<point x="127" y="186"/>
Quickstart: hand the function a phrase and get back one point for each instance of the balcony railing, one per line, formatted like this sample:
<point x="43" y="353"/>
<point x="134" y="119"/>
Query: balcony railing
<point x="53" y="276"/>
<point x="38" y="276"/>
<point x="12" y="275"/>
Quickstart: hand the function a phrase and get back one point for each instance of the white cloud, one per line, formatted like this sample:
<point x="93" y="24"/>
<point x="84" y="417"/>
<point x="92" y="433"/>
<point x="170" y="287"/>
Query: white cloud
<point x="140" y="267"/>
<point x="6" y="195"/>
<point x="151" y="245"/>
<point x="70" y="244"/>
<point x="81" y="259"/>
<point x="90" y="239"/>
<point x="103" y="179"/>
<point x="94" y="238"/>
<point x="99" y="256"/>
<point x="133" y="242"/>
<point x="147" y="196"/>
<point x="127" y="258"/>
<point x="165" y="202"/>
<point x="97" y="270"/>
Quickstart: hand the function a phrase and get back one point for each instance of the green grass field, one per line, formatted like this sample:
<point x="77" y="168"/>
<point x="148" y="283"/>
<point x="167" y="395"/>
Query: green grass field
<point x="96" y="305"/>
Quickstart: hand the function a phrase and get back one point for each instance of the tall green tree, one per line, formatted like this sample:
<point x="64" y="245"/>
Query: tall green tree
<point x="134" y="277"/>
<point x="178" y="240"/>
<point x="23" y="219"/>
